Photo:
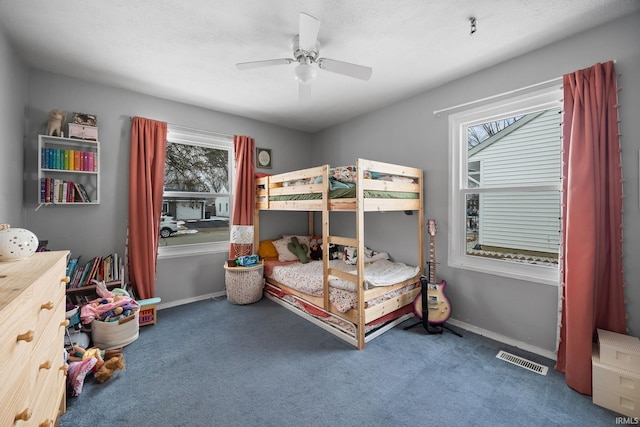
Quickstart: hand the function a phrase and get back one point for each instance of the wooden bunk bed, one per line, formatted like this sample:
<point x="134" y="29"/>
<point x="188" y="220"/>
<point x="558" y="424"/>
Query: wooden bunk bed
<point x="374" y="192"/>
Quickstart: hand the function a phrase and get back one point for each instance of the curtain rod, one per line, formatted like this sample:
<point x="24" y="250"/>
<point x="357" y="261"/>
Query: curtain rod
<point x="548" y="82"/>
<point x="218" y="134"/>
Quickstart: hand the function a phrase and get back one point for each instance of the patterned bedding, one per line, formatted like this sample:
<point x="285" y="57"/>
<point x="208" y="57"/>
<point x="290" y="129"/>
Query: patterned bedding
<point x="307" y="278"/>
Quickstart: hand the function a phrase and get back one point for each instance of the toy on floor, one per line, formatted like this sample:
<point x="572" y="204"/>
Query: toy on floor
<point x="108" y="369"/>
<point x="84" y="361"/>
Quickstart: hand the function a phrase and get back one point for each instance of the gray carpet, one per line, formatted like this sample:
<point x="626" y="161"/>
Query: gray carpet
<point x="211" y="363"/>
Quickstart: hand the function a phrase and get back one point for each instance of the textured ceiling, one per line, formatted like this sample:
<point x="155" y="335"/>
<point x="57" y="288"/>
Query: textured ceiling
<point x="187" y="50"/>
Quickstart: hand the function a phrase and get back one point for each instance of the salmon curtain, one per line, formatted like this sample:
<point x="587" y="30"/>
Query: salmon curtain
<point x="591" y="274"/>
<point x="146" y="180"/>
<point x="244" y="184"/>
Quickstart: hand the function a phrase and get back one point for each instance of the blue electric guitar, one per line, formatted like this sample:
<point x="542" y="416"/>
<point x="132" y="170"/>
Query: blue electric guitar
<point x="432" y="298"/>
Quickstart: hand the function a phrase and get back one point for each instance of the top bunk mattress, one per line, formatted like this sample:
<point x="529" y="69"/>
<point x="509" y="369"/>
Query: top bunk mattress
<point x="346" y="193"/>
<point x="342" y="185"/>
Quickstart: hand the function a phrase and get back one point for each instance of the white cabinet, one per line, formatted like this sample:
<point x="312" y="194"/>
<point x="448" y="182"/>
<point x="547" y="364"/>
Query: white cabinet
<point x="68" y="171"/>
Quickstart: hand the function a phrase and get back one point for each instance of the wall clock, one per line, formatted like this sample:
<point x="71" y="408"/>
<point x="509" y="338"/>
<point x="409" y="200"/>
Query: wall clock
<point x="263" y="157"/>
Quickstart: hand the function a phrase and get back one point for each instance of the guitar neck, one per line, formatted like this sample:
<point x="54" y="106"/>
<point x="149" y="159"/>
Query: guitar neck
<point x="432" y="259"/>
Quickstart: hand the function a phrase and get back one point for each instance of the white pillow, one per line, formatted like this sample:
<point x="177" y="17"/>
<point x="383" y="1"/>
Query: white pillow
<point x="284" y="254"/>
<point x="350" y="254"/>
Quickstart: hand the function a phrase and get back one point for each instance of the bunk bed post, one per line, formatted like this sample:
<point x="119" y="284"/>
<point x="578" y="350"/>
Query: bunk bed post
<point x="360" y="285"/>
<point x="310" y="224"/>
<point x="421" y="225"/>
<point x="325" y="237"/>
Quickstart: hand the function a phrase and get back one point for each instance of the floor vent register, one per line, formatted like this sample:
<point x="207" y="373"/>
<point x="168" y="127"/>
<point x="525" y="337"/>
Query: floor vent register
<point x="522" y="362"/>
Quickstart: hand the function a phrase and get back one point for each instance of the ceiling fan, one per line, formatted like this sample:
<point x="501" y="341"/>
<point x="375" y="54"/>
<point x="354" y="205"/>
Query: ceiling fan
<point x="306" y="49"/>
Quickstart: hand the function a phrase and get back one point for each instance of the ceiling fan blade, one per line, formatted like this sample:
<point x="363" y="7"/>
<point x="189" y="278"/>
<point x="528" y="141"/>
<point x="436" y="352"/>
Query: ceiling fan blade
<point x="265" y="63"/>
<point x="304" y="93"/>
<point x="309" y="27"/>
<point x="352" y="70"/>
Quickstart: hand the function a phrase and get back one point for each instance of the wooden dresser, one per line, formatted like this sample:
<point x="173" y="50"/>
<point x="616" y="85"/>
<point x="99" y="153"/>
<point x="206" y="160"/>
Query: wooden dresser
<point x="32" y="324"/>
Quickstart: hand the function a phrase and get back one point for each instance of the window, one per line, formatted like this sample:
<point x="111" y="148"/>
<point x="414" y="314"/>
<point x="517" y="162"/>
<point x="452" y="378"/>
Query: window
<point x="197" y="191"/>
<point x="504" y="205"/>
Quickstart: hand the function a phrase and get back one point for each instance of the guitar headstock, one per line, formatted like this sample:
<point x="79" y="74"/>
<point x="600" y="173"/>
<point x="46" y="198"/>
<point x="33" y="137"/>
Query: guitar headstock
<point x="431" y="227"/>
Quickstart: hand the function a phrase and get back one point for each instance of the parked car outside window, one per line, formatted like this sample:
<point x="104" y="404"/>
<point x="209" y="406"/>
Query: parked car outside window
<point x="168" y="226"/>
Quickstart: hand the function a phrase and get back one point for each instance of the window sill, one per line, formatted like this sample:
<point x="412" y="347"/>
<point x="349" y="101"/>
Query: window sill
<point x="192" y="250"/>
<point x="529" y="273"/>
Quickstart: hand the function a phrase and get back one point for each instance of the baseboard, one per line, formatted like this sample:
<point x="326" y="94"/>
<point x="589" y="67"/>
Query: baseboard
<point x="190" y="300"/>
<point x="503" y="339"/>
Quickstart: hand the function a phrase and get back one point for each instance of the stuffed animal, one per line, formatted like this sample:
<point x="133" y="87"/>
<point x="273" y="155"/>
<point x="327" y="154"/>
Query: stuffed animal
<point x="108" y="369"/>
<point x="299" y="250"/>
<point x="333" y="251"/>
<point x="315" y="252"/>
<point x="56" y="120"/>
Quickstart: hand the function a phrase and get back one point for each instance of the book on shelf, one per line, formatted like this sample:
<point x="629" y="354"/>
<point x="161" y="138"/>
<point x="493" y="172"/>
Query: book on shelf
<point x="83" y="192"/>
<point x="72" y="266"/>
<point x="72" y="160"/>
<point x="61" y="191"/>
<point x="77" y="160"/>
<point x="108" y="269"/>
<point x="95" y="262"/>
<point x="76" y="276"/>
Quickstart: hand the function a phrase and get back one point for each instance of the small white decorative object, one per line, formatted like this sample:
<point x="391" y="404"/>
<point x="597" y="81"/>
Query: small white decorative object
<point x="16" y="243"/>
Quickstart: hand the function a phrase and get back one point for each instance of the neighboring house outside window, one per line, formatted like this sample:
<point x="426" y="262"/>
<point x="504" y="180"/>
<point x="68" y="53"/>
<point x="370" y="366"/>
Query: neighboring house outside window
<point x="197" y="191"/>
<point x="505" y="187"/>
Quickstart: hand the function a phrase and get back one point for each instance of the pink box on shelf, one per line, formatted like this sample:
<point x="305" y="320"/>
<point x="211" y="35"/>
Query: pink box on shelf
<point x="83" y="132"/>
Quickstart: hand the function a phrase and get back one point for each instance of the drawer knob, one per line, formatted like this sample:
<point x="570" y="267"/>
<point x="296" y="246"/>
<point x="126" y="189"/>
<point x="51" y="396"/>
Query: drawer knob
<point x="47" y="305"/>
<point x="24" y="415"/>
<point x="46" y="423"/>
<point x="64" y="368"/>
<point x="45" y="365"/>
<point x="27" y="336"/>
<point x="65" y="323"/>
<point x="65" y="279"/>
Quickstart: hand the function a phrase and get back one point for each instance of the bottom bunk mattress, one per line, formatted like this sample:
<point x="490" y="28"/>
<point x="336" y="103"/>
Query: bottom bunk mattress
<point x="338" y="326"/>
<point x="308" y="278"/>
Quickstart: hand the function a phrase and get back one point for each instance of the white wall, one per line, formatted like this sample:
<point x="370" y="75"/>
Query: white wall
<point x="409" y="133"/>
<point x="13" y="90"/>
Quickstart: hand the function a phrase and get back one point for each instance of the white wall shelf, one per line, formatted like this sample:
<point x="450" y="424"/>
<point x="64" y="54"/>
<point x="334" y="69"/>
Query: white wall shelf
<point x="66" y="166"/>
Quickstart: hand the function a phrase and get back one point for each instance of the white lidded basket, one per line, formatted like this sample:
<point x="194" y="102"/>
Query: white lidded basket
<point x="110" y="335"/>
<point x="244" y="284"/>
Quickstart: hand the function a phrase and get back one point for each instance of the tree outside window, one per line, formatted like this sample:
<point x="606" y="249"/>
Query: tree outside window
<point x="197" y="189"/>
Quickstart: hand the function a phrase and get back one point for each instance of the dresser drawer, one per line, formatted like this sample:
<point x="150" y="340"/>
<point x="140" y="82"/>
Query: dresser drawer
<point x="616" y="380"/>
<point x="48" y="396"/>
<point x="17" y="401"/>
<point x="622" y="351"/>
<point x="617" y="402"/>
<point x="14" y="352"/>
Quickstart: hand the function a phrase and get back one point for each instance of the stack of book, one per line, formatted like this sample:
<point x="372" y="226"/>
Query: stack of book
<point x="71" y="160"/>
<point x="61" y="191"/>
<point x="108" y="269"/>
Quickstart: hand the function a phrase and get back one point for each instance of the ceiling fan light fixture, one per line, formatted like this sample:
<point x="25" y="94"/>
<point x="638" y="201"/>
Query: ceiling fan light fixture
<point x="305" y="73"/>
